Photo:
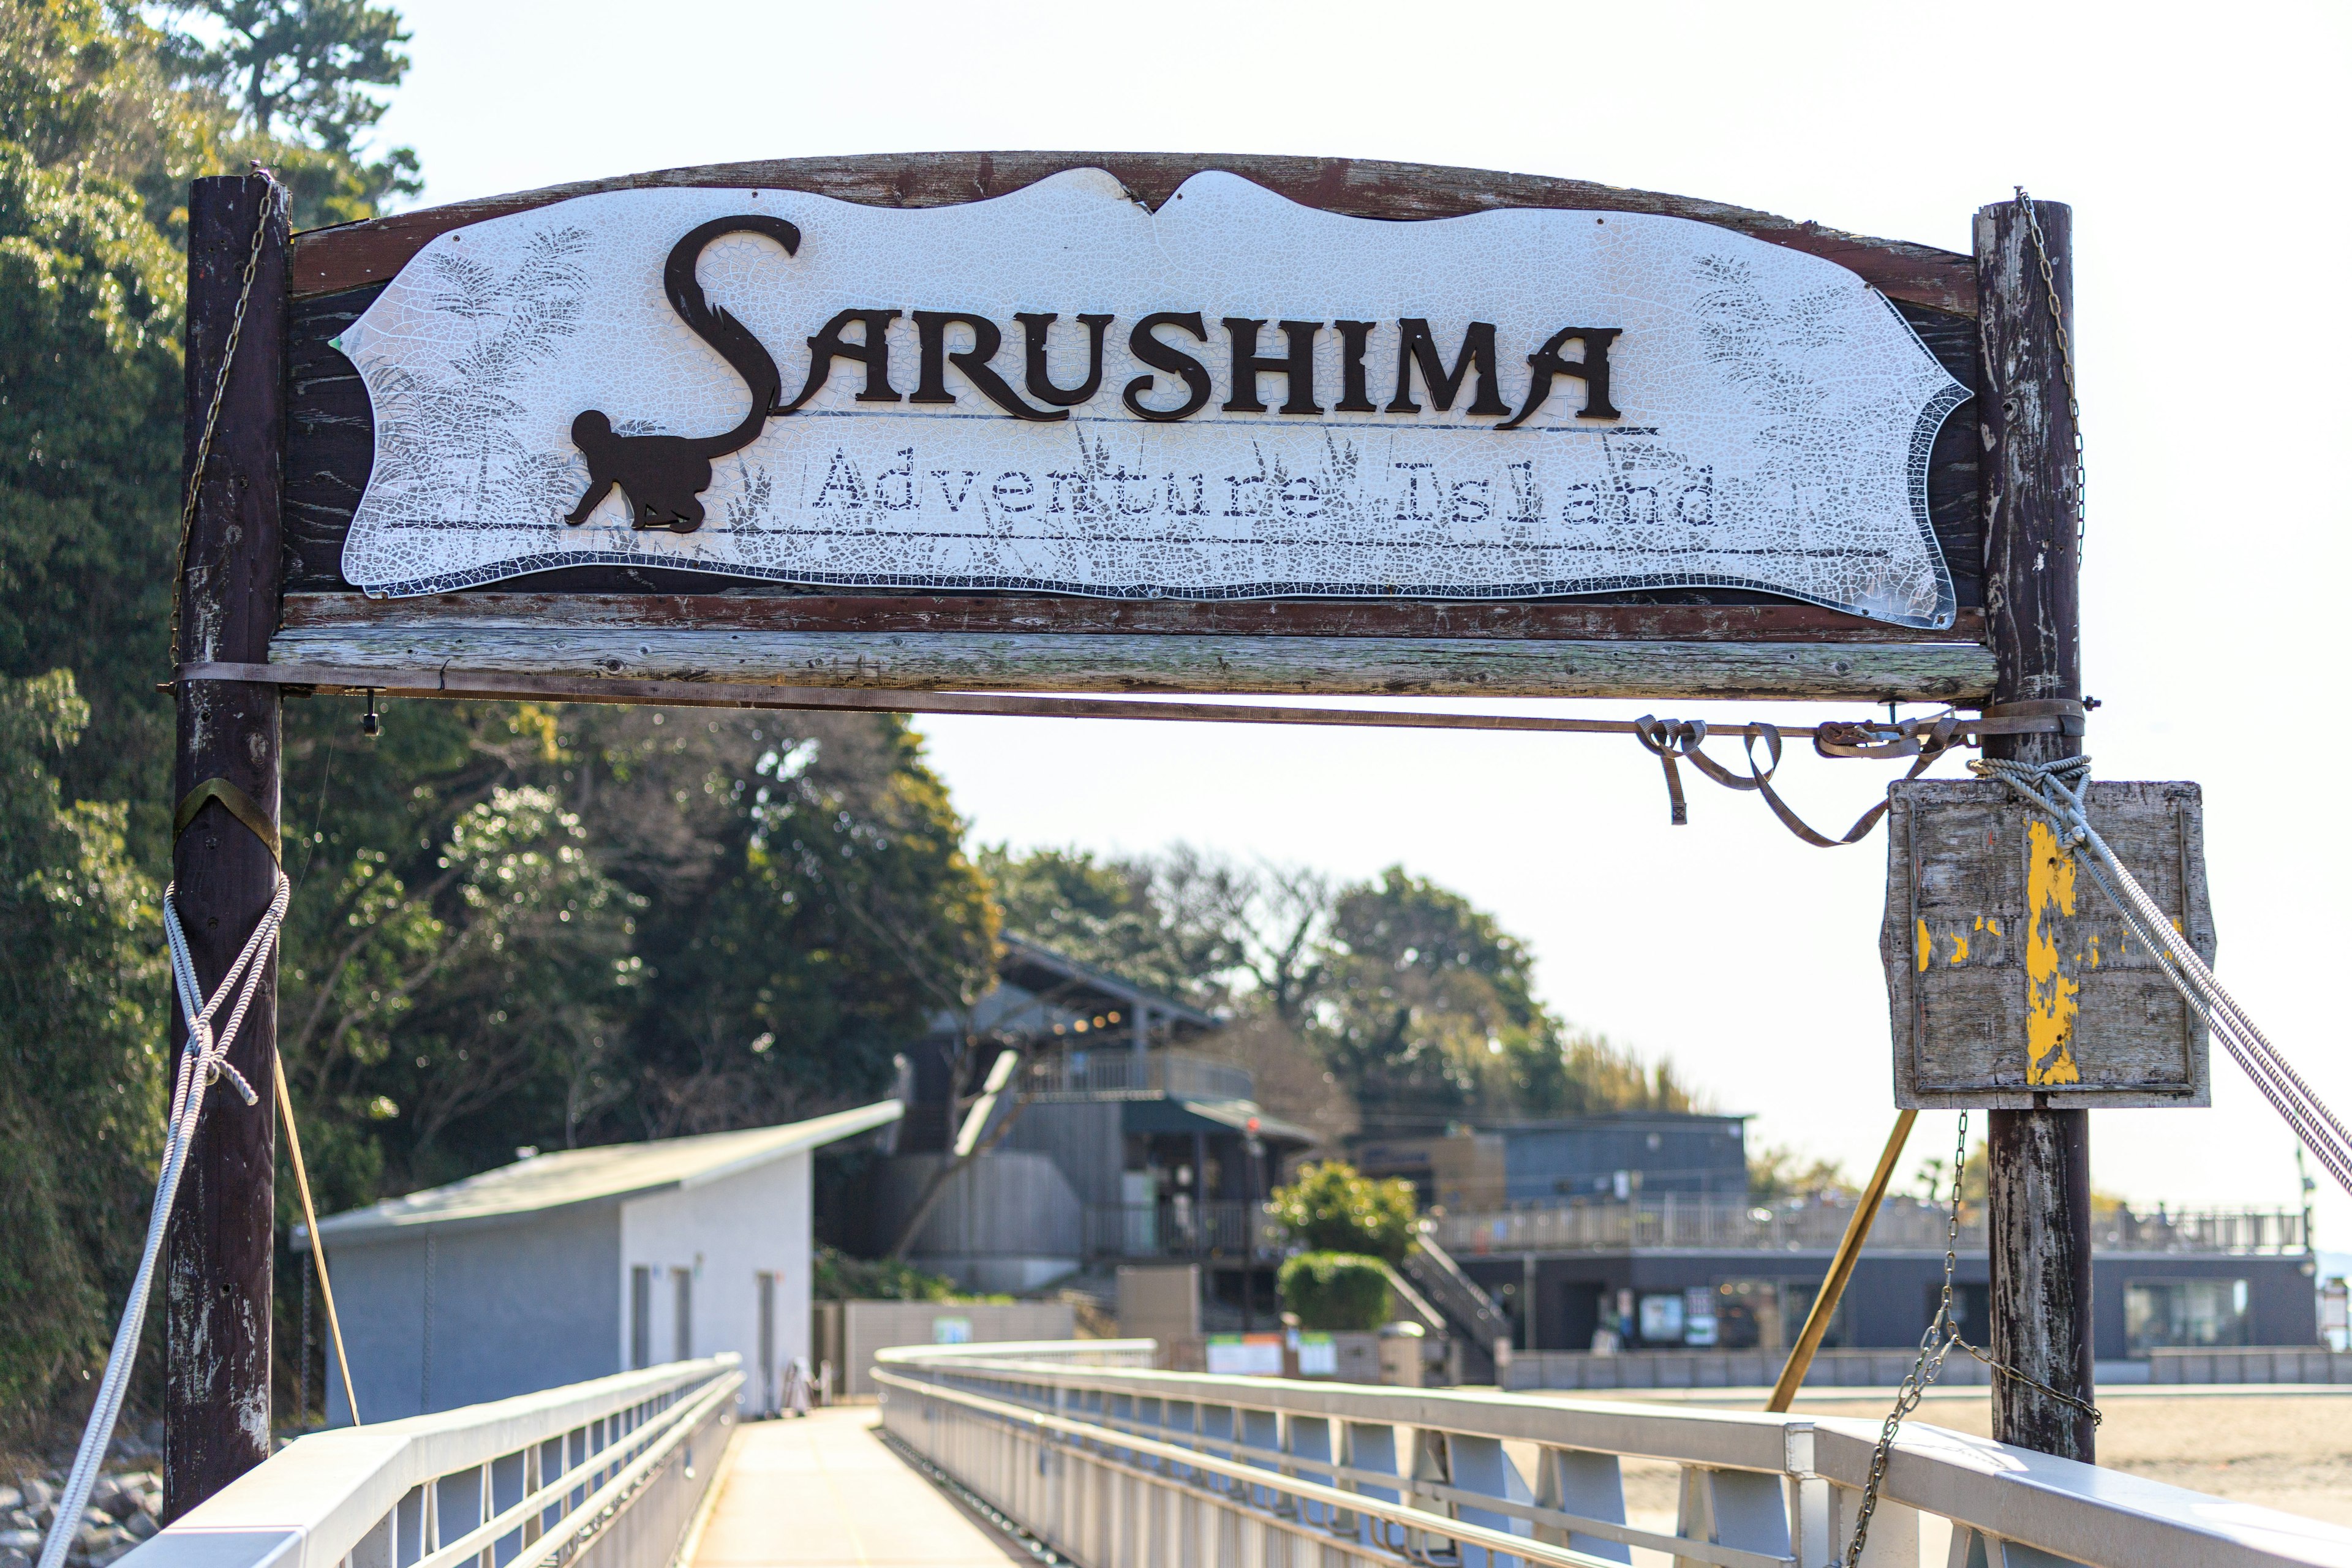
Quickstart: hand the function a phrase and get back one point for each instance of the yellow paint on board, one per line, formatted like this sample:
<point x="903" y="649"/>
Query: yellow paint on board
<point x="1960" y="948"/>
<point x="1993" y="925"/>
<point x="2095" y="951"/>
<point x="2049" y="995"/>
<point x="1926" y="947"/>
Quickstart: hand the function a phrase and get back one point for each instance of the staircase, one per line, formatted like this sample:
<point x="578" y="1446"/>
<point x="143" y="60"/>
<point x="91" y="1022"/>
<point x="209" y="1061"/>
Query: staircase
<point x="1471" y="1315"/>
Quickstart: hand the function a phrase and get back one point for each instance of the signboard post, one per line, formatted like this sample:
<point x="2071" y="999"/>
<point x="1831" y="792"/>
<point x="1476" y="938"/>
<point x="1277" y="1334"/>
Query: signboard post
<point x="2038" y="1200"/>
<point x="219" y="1251"/>
<point x="877" y="433"/>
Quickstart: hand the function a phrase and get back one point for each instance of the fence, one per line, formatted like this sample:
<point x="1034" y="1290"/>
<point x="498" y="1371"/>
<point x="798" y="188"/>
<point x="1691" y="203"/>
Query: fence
<point x="1733" y="1224"/>
<point x="1137" y="1074"/>
<point x="533" y="1482"/>
<point x="1115" y="1465"/>
<point x="846" y="1335"/>
<point x="1726" y="1369"/>
<point x="1175" y="1227"/>
<point x="2249" y="1363"/>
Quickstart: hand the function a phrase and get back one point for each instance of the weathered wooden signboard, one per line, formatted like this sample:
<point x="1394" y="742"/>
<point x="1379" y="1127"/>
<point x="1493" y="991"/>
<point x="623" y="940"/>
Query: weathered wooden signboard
<point x="2010" y="980"/>
<point x="949" y="431"/>
<point x="1120" y="423"/>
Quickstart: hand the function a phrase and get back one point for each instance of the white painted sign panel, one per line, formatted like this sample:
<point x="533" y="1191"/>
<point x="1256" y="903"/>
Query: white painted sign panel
<point x="1058" y="390"/>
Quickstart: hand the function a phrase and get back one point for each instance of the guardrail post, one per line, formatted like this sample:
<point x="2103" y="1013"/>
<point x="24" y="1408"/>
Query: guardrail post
<point x="1734" y="1508"/>
<point x="1370" y="1447"/>
<point x="1894" y="1530"/>
<point x="1309" y="1444"/>
<point x="1575" y="1481"/>
<point x="1479" y="1465"/>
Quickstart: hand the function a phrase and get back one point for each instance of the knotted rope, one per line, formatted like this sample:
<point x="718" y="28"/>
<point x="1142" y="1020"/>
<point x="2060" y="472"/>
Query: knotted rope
<point x="203" y="1058"/>
<point x="2056" y="790"/>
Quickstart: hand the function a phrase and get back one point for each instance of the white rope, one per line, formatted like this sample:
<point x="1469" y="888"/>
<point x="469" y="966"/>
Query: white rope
<point x="204" y="1058"/>
<point x="2045" y="786"/>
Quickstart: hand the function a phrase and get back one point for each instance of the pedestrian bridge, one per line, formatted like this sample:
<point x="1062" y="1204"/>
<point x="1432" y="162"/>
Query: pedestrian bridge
<point x="1078" y="1452"/>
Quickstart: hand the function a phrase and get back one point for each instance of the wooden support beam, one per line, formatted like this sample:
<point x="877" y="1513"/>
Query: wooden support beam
<point x="493" y="646"/>
<point x="2039" y="1201"/>
<point x="217" y="1262"/>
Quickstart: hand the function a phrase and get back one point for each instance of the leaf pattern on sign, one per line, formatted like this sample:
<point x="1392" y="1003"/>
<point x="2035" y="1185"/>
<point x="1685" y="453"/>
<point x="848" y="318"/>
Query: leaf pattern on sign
<point x="1777" y="414"/>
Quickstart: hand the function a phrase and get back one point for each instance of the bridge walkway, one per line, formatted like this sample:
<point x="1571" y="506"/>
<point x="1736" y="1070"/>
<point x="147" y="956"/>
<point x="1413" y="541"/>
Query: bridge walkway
<point x="821" y="1491"/>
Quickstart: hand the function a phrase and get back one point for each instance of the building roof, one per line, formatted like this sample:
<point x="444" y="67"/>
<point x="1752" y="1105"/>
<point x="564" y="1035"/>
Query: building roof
<point x="605" y="1173"/>
<point x="1041" y="971"/>
<point x="1176" y="1114"/>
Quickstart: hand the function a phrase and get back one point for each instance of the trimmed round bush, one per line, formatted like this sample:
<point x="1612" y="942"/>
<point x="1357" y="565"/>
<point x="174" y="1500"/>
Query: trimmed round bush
<point x="1336" y="1291"/>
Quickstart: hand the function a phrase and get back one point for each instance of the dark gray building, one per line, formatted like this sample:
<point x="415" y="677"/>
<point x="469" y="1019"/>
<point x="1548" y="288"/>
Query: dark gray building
<point x="1668" y="1272"/>
<point x="1617" y="1154"/>
<point x="1117" y="1141"/>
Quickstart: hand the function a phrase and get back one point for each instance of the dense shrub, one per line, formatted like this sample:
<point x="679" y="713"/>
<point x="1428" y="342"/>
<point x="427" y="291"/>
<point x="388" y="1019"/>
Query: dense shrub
<point x="1331" y="1208"/>
<point x="1336" y="1291"/>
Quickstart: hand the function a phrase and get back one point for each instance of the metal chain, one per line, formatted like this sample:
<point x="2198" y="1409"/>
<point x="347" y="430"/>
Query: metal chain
<point x="1938" y="1343"/>
<point x="273" y="203"/>
<point x="2066" y="360"/>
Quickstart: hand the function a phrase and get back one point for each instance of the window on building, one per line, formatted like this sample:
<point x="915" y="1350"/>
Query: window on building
<point x="1972" y="1310"/>
<point x="2163" y="1314"/>
<point x="1797" y="1303"/>
<point x="681" y="1285"/>
<point x="1660" y="1320"/>
<point x="641" y="1317"/>
<point x="1748" y="1315"/>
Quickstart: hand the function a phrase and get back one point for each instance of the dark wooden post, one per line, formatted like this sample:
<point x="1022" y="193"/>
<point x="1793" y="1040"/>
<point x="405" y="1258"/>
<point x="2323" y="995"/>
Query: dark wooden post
<point x="2039" y="1205"/>
<point x="216" y="1407"/>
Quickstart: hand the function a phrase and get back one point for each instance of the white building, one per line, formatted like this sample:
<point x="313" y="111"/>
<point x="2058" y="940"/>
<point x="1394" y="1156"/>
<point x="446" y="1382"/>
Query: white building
<point x="577" y="1264"/>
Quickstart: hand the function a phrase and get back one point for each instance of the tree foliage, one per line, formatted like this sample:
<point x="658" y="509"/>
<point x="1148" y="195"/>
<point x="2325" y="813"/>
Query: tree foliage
<point x="300" y="75"/>
<point x="1777" y="1172"/>
<point x="1335" y="1292"/>
<point x="515" y="925"/>
<point x="1420" y="1007"/>
<point x="81" y="1066"/>
<point x="1330" y="1207"/>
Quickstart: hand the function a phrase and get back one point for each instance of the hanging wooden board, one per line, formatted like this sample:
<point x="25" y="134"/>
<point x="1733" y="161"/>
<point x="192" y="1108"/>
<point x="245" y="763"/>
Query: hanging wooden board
<point x="2011" y="981"/>
<point x="997" y="401"/>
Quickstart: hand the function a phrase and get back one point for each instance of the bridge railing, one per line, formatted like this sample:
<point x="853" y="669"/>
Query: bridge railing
<point x="1115" y="1465"/>
<point x="1671" y="1219"/>
<point x="618" y="1466"/>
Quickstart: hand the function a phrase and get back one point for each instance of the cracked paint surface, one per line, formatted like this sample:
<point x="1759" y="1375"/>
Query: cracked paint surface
<point x="1777" y="413"/>
<point x="2050" y="995"/>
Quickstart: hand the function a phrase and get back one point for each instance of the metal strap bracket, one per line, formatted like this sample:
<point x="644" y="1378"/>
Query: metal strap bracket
<point x="237" y="804"/>
<point x="2056" y="716"/>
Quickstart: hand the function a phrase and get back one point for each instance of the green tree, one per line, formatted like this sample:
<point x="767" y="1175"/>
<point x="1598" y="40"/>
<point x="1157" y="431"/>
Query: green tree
<point x="102" y="127"/>
<point x="300" y="75"/>
<point x="1430" y="1012"/>
<point x="1776" y="1172"/>
<point x="809" y="905"/>
<point x="91" y="296"/>
<point x="81" y="1066"/>
<point x="1330" y="1207"/>
<point x="1426" y="1010"/>
<point x="1164" y="922"/>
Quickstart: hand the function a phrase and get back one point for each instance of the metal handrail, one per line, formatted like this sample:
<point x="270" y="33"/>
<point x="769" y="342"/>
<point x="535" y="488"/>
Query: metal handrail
<point x="1023" y="1428"/>
<point x="335" y="1498"/>
<point x="1117" y="1074"/>
<point x="1678" y="1220"/>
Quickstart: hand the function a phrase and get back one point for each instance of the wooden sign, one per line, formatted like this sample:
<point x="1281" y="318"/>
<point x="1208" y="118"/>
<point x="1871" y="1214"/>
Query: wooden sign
<point x="1133" y="423"/>
<point x="1060" y="390"/>
<point x="2010" y="980"/>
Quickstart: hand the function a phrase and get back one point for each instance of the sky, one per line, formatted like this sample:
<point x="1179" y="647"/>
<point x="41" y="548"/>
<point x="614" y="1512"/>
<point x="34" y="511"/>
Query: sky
<point x="2201" y="150"/>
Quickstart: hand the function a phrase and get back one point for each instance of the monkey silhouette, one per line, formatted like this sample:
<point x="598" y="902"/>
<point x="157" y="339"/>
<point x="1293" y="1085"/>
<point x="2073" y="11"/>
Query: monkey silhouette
<point x="662" y="475"/>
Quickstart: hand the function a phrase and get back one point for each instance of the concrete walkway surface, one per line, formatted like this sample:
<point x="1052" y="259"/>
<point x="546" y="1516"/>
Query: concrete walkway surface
<point x="823" y="1492"/>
